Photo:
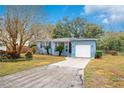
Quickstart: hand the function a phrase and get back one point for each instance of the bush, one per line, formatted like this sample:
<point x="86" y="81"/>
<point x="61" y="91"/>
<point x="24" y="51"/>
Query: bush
<point x="5" y="55"/>
<point x="112" y="52"/>
<point x="2" y="55"/>
<point x="98" y="54"/>
<point x="12" y="55"/>
<point x="9" y="54"/>
<point x="28" y="55"/>
<point x="25" y="49"/>
<point x="33" y="48"/>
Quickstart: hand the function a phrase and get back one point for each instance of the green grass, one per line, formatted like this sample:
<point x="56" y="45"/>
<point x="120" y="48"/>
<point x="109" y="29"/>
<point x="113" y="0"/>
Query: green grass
<point x="105" y="72"/>
<point x="22" y="64"/>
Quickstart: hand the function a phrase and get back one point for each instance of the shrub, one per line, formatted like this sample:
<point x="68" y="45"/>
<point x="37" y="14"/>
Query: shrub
<point x="9" y="54"/>
<point x="2" y="53"/>
<point x="28" y="54"/>
<point x="98" y="54"/>
<point x="12" y="54"/>
<point x="25" y="49"/>
<point x="112" y="52"/>
<point x="5" y="55"/>
<point x="60" y="48"/>
<point x="33" y="48"/>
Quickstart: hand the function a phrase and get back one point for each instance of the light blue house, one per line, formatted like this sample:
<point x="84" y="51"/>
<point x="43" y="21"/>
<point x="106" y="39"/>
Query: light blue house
<point x="73" y="47"/>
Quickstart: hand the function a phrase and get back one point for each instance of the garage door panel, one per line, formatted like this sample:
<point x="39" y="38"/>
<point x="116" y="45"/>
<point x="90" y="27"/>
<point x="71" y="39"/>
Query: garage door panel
<point x="83" y="51"/>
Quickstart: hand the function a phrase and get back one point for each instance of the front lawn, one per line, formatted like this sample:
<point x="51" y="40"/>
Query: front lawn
<point x="105" y="72"/>
<point x="20" y="65"/>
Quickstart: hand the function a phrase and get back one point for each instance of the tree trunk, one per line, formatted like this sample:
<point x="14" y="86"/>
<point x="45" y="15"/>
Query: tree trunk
<point x="60" y="52"/>
<point x="19" y="50"/>
<point x="47" y="51"/>
<point x="14" y="48"/>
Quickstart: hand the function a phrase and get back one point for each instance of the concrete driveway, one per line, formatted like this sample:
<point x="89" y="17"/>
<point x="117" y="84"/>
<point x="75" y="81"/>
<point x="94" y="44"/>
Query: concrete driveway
<point x="78" y="63"/>
<point x="65" y="74"/>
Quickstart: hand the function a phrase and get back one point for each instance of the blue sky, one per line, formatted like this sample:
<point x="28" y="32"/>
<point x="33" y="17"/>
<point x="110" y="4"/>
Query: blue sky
<point x="110" y="17"/>
<point x="1" y="10"/>
<point x="56" y="13"/>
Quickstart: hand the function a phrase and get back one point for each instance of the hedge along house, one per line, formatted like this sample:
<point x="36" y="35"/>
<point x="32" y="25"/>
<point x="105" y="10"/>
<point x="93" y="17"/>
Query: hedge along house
<point x="73" y="47"/>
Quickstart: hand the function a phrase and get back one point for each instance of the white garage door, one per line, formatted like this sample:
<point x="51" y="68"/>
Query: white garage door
<point x="83" y="51"/>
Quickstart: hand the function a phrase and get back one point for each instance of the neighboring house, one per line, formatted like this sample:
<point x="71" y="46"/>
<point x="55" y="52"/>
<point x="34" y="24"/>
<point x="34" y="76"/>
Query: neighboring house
<point x="2" y="46"/>
<point x="24" y="49"/>
<point x="73" y="47"/>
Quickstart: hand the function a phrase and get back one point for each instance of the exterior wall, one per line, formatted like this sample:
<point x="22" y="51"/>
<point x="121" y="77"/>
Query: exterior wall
<point x="52" y="50"/>
<point x="64" y="53"/>
<point x="42" y="50"/>
<point x="84" y="42"/>
<point x="38" y="50"/>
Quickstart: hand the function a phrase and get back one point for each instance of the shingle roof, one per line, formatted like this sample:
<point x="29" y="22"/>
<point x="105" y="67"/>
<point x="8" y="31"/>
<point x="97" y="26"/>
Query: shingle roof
<point x="62" y="39"/>
<point x="67" y="39"/>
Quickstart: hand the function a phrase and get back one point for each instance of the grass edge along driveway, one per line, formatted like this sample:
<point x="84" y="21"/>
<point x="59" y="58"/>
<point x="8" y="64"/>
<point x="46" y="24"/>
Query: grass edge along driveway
<point x="107" y="72"/>
<point x="7" y="68"/>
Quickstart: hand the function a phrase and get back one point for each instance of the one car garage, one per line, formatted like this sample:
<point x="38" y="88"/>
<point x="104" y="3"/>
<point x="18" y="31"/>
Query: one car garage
<point x="83" y="51"/>
<point x="84" y="48"/>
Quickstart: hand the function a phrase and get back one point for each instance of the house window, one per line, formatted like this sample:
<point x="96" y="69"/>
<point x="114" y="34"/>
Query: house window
<point x="59" y="43"/>
<point x="66" y="46"/>
<point x="56" y="44"/>
<point x="49" y="43"/>
<point x="40" y="45"/>
<point x="43" y="44"/>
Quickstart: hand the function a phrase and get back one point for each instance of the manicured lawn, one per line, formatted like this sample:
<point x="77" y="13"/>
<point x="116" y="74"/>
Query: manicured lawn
<point x="38" y="60"/>
<point x="105" y="72"/>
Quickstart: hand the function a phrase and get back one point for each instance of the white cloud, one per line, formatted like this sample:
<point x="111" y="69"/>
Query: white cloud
<point x="105" y="20"/>
<point x="108" y="13"/>
<point x="92" y="8"/>
<point x="117" y="18"/>
<point x="102" y="16"/>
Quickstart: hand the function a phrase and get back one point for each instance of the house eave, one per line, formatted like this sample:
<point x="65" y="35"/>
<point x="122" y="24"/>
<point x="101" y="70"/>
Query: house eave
<point x="67" y="40"/>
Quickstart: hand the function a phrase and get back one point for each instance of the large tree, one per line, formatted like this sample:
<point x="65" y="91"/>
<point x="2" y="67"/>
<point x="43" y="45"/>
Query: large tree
<point x="62" y="28"/>
<point x="77" y="27"/>
<point x="15" y="26"/>
<point x="69" y="28"/>
<point x="92" y="31"/>
<point x="111" y="41"/>
<point x="41" y="32"/>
